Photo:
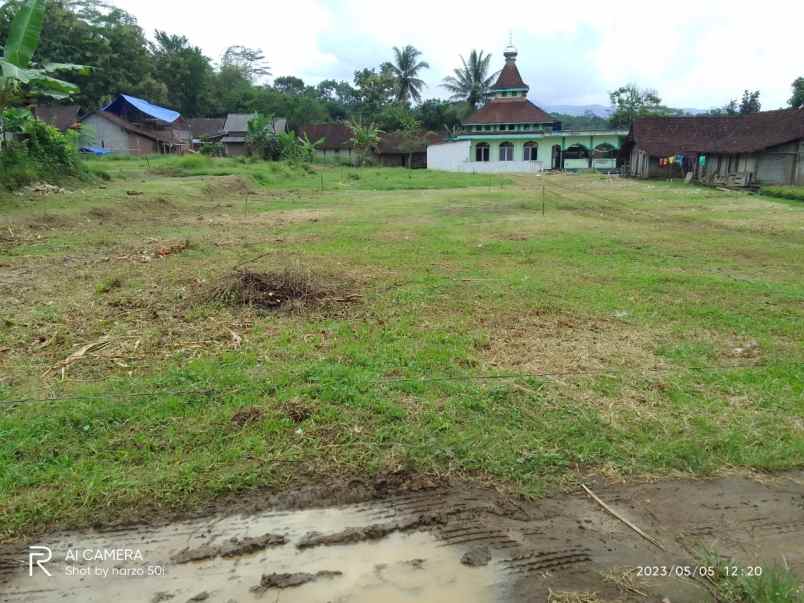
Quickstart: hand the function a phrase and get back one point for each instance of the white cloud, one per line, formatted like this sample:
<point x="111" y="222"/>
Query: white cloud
<point x="695" y="55"/>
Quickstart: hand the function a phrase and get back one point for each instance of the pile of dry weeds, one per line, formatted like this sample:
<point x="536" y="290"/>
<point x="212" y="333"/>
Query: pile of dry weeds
<point x="293" y="287"/>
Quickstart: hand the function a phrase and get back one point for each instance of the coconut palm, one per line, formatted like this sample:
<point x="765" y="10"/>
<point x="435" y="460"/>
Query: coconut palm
<point x="405" y="69"/>
<point x="471" y="82"/>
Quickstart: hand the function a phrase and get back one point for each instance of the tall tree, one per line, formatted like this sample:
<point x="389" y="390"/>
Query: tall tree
<point x="439" y="115"/>
<point x="406" y="68"/>
<point x="93" y="33"/>
<point x="471" y="82"/>
<point x="185" y="71"/>
<point x="750" y="102"/>
<point x="730" y="108"/>
<point x="289" y="84"/>
<point x="250" y="62"/>
<point x="630" y="102"/>
<point x="797" y="100"/>
<point x="375" y="91"/>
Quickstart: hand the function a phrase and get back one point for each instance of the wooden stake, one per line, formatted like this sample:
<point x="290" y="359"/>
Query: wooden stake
<point x="621" y="518"/>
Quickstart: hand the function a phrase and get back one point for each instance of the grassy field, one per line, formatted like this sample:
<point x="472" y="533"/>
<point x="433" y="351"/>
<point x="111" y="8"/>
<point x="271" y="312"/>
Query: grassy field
<point x="526" y="330"/>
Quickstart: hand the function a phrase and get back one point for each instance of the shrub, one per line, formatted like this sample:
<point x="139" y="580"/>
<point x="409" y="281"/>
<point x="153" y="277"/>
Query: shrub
<point x="211" y="149"/>
<point x="784" y="192"/>
<point x="38" y="152"/>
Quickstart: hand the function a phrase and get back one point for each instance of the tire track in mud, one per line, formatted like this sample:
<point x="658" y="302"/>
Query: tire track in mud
<point x="459" y="542"/>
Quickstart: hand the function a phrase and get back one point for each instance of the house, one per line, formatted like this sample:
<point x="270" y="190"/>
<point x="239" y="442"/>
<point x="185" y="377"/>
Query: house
<point x="61" y="117"/>
<point x="395" y="149"/>
<point x="759" y="148"/>
<point x="131" y="125"/>
<point x="511" y="134"/>
<point x="405" y="149"/>
<point x="205" y="129"/>
<point x="335" y="141"/>
<point x="235" y="129"/>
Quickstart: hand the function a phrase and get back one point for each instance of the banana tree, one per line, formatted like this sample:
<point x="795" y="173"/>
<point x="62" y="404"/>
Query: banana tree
<point x="20" y="77"/>
<point x="364" y="138"/>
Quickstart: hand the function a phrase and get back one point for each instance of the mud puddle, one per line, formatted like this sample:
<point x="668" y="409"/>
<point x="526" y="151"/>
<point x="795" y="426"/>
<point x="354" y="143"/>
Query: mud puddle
<point x="453" y="542"/>
<point x="355" y="553"/>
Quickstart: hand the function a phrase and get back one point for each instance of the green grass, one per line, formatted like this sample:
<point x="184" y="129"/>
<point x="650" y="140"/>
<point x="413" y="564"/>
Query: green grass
<point x="795" y="193"/>
<point x="736" y="582"/>
<point x="291" y="176"/>
<point x="634" y="328"/>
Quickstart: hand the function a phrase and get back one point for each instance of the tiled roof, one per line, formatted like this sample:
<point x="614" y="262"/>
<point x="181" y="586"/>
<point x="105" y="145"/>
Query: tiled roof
<point x="509" y="111"/>
<point x="336" y="136"/>
<point x="61" y="117"/>
<point x="398" y="142"/>
<point x="660" y="136"/>
<point x="509" y="78"/>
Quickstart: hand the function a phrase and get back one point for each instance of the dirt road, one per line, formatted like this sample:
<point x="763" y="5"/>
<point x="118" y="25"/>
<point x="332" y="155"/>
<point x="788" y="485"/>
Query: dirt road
<point x="425" y="542"/>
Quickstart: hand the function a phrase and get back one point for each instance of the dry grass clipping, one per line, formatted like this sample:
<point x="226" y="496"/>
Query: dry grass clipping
<point x="572" y="597"/>
<point x="557" y="342"/>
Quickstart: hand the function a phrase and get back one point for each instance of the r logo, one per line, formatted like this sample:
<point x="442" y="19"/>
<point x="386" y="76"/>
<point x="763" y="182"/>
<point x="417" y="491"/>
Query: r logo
<point x="40" y="555"/>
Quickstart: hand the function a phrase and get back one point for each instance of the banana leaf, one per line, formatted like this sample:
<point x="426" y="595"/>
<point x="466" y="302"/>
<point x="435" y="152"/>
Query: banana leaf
<point x="23" y="37"/>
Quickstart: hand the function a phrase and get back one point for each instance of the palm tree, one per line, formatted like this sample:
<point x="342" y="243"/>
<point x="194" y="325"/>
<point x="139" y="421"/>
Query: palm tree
<point x="405" y="69"/>
<point x="472" y="81"/>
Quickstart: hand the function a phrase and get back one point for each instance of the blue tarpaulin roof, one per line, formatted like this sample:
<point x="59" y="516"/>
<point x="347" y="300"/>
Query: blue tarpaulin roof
<point x="155" y="111"/>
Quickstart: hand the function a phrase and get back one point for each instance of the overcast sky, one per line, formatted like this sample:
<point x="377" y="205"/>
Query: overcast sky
<point x="695" y="53"/>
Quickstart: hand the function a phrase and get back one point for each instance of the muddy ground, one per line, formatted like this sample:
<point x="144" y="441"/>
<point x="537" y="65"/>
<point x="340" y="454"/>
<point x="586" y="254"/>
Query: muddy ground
<point x="414" y="539"/>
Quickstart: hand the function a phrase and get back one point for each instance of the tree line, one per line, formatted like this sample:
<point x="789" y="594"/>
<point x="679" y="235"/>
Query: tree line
<point x="171" y="71"/>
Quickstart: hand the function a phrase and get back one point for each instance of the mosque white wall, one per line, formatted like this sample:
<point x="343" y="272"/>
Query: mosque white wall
<point x="454" y="157"/>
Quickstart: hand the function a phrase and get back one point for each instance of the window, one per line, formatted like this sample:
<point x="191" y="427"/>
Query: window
<point x="482" y="152"/>
<point x="506" y="151"/>
<point x="576" y="151"/>
<point x="604" y="151"/>
<point x="531" y="151"/>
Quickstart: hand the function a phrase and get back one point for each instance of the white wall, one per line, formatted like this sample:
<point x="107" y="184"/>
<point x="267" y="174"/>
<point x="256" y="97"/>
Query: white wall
<point x="448" y="156"/>
<point x="454" y="157"/>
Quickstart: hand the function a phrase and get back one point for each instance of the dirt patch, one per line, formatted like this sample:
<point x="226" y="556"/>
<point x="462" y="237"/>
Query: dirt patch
<point x="269" y="581"/>
<point x="248" y="415"/>
<point x="291" y="288"/>
<point x="371" y="532"/>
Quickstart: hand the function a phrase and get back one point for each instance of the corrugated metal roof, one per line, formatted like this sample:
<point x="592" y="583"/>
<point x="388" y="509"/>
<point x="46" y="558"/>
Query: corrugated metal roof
<point x="238" y="122"/>
<point x="205" y="126"/>
<point x="142" y="105"/>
